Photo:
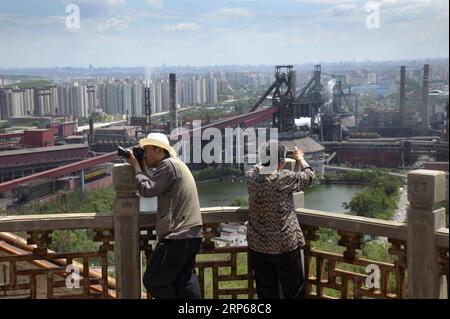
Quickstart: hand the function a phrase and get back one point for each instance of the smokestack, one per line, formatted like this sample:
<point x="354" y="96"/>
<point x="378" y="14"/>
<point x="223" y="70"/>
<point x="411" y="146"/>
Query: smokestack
<point x="356" y="113"/>
<point x="339" y="84"/>
<point x="402" y="95"/>
<point x="91" y="131"/>
<point x="173" y="101"/>
<point x="317" y="73"/>
<point x="293" y="83"/>
<point x="148" y="109"/>
<point x="446" y="122"/>
<point x="425" y="99"/>
<point x="91" y="98"/>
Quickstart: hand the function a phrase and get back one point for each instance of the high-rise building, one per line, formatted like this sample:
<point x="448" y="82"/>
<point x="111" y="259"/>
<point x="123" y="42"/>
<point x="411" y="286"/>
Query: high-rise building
<point x="157" y="94"/>
<point x="78" y="100"/>
<point x="16" y="103"/>
<point x="127" y="92"/>
<point x="112" y="103"/>
<point x="203" y="90"/>
<point x="165" y="101"/>
<point x="444" y="73"/>
<point x="211" y="90"/>
<point x="137" y="99"/>
<point x="372" y="78"/>
<point x="63" y="100"/>
<point x="4" y="102"/>
<point x="53" y="100"/>
<point x="197" y="92"/>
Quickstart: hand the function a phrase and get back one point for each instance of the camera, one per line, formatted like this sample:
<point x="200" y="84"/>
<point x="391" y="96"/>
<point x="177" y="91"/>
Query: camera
<point x="137" y="152"/>
<point x="290" y="154"/>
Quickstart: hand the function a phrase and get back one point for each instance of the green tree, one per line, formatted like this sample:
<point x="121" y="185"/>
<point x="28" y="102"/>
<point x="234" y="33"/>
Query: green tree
<point x="378" y="201"/>
<point x="360" y="204"/>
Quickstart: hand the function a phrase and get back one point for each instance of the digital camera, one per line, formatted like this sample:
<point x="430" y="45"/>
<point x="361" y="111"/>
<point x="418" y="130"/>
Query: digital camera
<point x="137" y="152"/>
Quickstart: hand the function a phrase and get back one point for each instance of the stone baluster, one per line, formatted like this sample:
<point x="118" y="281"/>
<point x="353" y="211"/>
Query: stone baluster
<point x="126" y="233"/>
<point x="426" y="191"/>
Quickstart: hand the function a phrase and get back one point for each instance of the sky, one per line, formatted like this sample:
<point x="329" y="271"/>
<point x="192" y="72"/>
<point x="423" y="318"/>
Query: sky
<point x="130" y="33"/>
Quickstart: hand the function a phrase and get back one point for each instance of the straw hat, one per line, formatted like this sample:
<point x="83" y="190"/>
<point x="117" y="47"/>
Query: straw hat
<point x="159" y="140"/>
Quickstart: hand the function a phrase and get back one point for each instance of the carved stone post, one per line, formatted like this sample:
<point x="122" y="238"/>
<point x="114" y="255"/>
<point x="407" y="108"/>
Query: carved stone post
<point x="426" y="190"/>
<point x="126" y="233"/>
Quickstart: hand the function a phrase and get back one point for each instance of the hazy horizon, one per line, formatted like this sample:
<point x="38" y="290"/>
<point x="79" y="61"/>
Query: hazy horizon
<point x="405" y="61"/>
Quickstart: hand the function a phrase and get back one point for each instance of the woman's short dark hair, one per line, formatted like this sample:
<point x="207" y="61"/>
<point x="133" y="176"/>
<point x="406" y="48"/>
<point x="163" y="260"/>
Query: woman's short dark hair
<point x="274" y="145"/>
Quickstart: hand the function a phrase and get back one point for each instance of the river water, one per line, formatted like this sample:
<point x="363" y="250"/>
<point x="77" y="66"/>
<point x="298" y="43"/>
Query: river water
<point x="321" y="197"/>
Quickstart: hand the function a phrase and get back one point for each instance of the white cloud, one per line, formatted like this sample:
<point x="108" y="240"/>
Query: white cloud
<point x="346" y="6"/>
<point x="325" y="1"/>
<point x="114" y="24"/>
<point x="190" y="26"/>
<point x="236" y="13"/>
<point x="156" y="4"/>
<point x="18" y="20"/>
<point x="113" y="3"/>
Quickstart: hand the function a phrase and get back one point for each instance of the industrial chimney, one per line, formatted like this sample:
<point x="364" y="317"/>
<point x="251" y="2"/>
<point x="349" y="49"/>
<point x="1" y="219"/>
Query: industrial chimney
<point x="173" y="101"/>
<point x="446" y="122"/>
<point x="293" y="82"/>
<point x="317" y="73"/>
<point x="425" y="99"/>
<point x="91" y="131"/>
<point x="402" y="95"/>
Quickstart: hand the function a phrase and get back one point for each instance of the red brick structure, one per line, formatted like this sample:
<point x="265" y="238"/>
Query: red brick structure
<point x="66" y="129"/>
<point x="369" y="153"/>
<point x="379" y="158"/>
<point x="38" y="138"/>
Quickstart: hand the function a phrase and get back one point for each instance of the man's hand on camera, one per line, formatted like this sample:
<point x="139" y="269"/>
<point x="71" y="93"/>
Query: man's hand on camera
<point x="134" y="162"/>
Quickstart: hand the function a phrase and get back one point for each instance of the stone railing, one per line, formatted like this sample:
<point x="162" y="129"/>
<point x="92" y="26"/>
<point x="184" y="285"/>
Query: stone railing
<point x="417" y="265"/>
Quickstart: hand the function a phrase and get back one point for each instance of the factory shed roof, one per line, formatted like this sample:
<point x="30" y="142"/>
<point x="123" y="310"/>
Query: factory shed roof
<point x="306" y="144"/>
<point x="43" y="149"/>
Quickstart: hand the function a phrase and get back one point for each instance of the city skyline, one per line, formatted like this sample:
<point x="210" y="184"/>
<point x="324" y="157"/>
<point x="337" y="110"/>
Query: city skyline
<point x="36" y="34"/>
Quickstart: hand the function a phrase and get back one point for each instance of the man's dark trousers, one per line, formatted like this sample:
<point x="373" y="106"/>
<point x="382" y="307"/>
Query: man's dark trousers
<point x="272" y="270"/>
<point x="170" y="273"/>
